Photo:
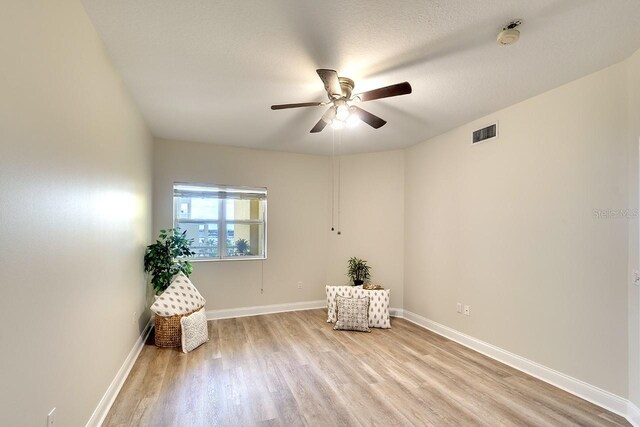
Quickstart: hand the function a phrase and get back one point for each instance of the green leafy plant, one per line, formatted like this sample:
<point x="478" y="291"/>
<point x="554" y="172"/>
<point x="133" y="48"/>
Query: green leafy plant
<point x="242" y="247"/>
<point x="358" y="270"/>
<point x="164" y="258"/>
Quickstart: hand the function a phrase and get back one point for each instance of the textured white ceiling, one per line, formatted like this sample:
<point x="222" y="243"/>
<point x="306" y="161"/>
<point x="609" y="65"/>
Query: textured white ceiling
<point x="208" y="71"/>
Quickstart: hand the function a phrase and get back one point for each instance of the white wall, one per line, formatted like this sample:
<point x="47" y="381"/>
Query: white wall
<point x="633" y="122"/>
<point x="507" y="227"/>
<point x="301" y="246"/>
<point x="75" y="186"/>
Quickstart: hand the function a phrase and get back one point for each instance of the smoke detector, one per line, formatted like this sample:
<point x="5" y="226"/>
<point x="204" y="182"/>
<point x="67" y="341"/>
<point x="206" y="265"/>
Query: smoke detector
<point x="509" y="34"/>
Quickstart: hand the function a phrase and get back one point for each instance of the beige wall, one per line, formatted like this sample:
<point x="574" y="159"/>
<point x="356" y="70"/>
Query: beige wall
<point x="633" y="116"/>
<point x="507" y="227"/>
<point x="298" y="218"/>
<point x="371" y="220"/>
<point x="75" y="186"/>
<point x="301" y="246"/>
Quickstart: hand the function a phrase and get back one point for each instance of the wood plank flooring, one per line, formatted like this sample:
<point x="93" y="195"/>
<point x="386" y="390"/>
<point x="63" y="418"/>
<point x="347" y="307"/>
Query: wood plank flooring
<point x="293" y="369"/>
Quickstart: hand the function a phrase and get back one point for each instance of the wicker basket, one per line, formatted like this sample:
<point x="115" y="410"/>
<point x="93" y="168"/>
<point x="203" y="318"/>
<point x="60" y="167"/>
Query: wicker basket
<point x="168" y="332"/>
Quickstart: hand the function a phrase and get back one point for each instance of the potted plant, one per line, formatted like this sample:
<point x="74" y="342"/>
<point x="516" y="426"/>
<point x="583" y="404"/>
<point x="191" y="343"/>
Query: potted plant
<point x="358" y="271"/>
<point x="242" y="247"/>
<point x="164" y="259"/>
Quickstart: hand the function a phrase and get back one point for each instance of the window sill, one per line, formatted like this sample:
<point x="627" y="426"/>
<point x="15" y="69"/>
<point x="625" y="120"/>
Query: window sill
<point x="240" y="258"/>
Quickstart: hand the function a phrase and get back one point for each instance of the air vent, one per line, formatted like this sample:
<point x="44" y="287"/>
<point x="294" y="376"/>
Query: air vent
<point x="485" y="133"/>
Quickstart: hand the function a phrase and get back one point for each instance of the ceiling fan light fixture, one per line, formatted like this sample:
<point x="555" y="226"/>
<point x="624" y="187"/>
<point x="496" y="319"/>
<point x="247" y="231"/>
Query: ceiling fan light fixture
<point x="329" y="115"/>
<point x="352" y="121"/>
<point x="337" y="124"/>
<point x="342" y="112"/>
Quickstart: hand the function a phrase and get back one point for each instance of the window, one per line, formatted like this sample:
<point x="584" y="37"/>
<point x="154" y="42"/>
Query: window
<point x="224" y="222"/>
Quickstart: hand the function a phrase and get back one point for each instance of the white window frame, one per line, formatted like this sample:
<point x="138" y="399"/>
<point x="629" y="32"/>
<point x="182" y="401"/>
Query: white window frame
<point x="259" y="192"/>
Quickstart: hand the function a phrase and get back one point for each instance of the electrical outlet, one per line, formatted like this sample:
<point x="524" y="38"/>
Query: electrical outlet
<point x="299" y="285"/>
<point x="51" y="418"/>
<point x="135" y="317"/>
<point x="459" y="307"/>
<point x="467" y="310"/>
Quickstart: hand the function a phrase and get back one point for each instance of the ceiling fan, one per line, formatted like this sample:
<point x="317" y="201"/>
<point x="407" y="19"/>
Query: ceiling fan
<point x="342" y="112"/>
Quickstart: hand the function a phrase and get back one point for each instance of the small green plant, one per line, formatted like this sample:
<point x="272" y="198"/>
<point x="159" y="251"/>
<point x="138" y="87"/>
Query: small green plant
<point x="164" y="258"/>
<point x="242" y="247"/>
<point x="358" y="270"/>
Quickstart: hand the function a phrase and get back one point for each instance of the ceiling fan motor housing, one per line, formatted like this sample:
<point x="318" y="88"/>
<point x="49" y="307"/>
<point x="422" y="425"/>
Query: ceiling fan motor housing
<point x="347" y="85"/>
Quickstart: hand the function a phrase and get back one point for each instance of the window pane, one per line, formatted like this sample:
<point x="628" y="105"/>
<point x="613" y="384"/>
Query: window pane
<point x="197" y="208"/>
<point x="201" y="210"/>
<point x="243" y="210"/>
<point x="205" y="238"/>
<point x="245" y="240"/>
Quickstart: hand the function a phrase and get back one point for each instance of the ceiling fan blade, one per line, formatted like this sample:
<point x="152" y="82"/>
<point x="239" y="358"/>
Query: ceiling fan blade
<point x="302" y="104"/>
<point x="386" y="92"/>
<point x="324" y="120"/>
<point x="370" y="119"/>
<point x="331" y="82"/>
<point x="319" y="126"/>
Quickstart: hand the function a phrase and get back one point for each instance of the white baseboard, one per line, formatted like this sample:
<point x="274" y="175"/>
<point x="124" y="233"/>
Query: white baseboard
<point x="98" y="416"/>
<point x="277" y="308"/>
<point x="396" y="312"/>
<point x="264" y="309"/>
<point x="633" y="414"/>
<point x="593" y="394"/>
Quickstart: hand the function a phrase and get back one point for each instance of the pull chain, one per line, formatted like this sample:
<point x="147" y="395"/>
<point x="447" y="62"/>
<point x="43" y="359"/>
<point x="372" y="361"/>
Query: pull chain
<point x="339" y="180"/>
<point x="333" y="177"/>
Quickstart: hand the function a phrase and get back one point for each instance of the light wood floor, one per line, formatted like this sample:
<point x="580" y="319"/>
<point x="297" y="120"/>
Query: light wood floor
<point x="293" y="369"/>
